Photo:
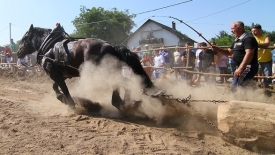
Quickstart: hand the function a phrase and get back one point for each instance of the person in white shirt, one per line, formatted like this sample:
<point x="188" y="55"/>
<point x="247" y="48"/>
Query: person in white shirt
<point x="196" y="80"/>
<point x="197" y="55"/>
<point x="158" y="62"/>
<point x="24" y="61"/>
<point x="177" y="62"/>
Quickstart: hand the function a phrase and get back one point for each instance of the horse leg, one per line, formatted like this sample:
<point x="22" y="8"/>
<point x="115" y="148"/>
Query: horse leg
<point x="57" y="77"/>
<point x="59" y="95"/>
<point x="116" y="99"/>
<point x="67" y="98"/>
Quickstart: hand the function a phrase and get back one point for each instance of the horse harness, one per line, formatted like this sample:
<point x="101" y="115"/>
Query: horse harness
<point x="56" y="44"/>
<point x="61" y="53"/>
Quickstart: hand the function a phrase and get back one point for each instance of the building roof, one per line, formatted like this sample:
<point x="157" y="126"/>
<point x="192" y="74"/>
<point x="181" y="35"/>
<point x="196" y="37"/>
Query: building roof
<point x="170" y="29"/>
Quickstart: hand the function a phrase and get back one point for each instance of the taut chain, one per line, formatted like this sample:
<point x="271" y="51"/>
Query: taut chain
<point x="186" y="101"/>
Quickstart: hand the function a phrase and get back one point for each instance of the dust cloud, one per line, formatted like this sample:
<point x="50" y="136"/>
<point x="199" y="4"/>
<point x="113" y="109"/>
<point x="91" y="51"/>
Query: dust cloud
<point x="97" y="83"/>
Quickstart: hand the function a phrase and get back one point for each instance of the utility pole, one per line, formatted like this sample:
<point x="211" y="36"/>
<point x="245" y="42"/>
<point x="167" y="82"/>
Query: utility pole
<point x="10" y="31"/>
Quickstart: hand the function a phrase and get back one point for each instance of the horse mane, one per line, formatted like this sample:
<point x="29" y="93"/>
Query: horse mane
<point x="41" y="30"/>
<point x="132" y="60"/>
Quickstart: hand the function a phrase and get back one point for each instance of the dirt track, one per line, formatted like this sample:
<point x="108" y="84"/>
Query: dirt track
<point x="33" y="121"/>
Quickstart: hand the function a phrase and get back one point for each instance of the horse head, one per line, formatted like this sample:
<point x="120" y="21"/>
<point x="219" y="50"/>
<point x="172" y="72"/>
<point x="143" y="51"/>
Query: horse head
<point x="32" y="40"/>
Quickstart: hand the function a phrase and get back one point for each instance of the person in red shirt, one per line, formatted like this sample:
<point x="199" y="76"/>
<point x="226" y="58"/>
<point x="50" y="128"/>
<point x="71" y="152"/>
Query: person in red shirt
<point x="8" y="54"/>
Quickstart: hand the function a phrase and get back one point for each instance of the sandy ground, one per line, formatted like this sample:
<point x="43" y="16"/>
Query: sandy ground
<point x="33" y="121"/>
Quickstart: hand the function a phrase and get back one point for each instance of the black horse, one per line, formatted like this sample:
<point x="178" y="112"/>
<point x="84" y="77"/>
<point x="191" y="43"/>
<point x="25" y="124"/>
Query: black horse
<point x="62" y="57"/>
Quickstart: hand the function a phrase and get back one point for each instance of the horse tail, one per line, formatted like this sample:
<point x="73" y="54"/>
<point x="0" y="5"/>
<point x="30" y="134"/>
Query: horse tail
<point x="132" y="60"/>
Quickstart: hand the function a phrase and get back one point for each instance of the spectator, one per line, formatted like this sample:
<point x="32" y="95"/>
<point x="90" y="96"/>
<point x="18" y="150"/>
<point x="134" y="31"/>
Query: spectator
<point x="13" y="49"/>
<point x="196" y="80"/>
<point x="166" y="54"/>
<point x="264" y="55"/>
<point x="177" y="62"/>
<point x="24" y="61"/>
<point x="139" y="53"/>
<point x="244" y="50"/>
<point x="188" y="58"/>
<point x="150" y="53"/>
<point x="158" y="62"/>
<point x="12" y="46"/>
<point x="222" y="65"/>
<point x="208" y="59"/>
<point x="199" y="50"/>
<point x="273" y="59"/>
<point x="133" y="49"/>
<point x="147" y="63"/>
<point x="8" y="54"/>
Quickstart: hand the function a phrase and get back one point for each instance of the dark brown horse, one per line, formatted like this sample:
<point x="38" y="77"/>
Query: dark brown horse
<point x="61" y="57"/>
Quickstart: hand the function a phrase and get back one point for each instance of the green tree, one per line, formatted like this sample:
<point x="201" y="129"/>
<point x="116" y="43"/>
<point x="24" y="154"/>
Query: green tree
<point x="223" y="39"/>
<point x="111" y="25"/>
<point x="272" y="38"/>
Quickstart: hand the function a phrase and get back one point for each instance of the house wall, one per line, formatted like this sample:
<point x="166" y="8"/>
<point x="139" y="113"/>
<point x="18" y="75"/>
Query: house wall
<point x="150" y="30"/>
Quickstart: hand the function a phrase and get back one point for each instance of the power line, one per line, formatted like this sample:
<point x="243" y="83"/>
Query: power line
<point x="212" y="13"/>
<point x="4" y="29"/>
<point x="219" y="11"/>
<point x="163" y="7"/>
<point x="133" y="15"/>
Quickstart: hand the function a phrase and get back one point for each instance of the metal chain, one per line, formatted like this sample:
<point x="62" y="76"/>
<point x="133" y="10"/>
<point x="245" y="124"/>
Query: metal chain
<point x="213" y="101"/>
<point x="213" y="125"/>
<point x="184" y="100"/>
<point x="187" y="102"/>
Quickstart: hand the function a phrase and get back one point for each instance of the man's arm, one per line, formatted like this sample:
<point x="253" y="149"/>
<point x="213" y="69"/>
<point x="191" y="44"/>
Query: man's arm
<point x="266" y="42"/>
<point x="183" y="58"/>
<point x="222" y="51"/>
<point x="167" y="53"/>
<point x="249" y="53"/>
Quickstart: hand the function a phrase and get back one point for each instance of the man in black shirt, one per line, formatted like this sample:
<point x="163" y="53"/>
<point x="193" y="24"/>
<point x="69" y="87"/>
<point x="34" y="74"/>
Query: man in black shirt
<point x="188" y="57"/>
<point x="208" y="60"/>
<point x="244" y="50"/>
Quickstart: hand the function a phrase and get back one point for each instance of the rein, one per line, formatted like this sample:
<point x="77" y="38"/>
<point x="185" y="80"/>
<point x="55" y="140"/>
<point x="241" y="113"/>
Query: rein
<point x="29" y="66"/>
<point x="48" y="42"/>
<point x="64" y="63"/>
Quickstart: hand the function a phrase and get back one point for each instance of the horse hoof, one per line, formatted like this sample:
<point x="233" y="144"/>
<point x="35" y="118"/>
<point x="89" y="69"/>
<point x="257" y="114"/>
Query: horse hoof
<point x="62" y="98"/>
<point x="71" y="107"/>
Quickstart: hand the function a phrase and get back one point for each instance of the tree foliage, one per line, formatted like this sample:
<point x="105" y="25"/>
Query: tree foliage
<point x="111" y="25"/>
<point x="225" y="39"/>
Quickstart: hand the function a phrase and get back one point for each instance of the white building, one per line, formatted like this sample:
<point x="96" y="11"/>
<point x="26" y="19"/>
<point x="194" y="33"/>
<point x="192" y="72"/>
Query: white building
<point x="156" y="35"/>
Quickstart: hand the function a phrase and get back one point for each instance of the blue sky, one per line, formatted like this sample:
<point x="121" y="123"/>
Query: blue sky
<point x="206" y="16"/>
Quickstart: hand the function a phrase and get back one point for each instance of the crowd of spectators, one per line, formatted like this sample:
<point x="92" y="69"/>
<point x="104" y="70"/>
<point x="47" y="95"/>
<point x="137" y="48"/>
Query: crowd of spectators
<point x="247" y="49"/>
<point x="9" y="55"/>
